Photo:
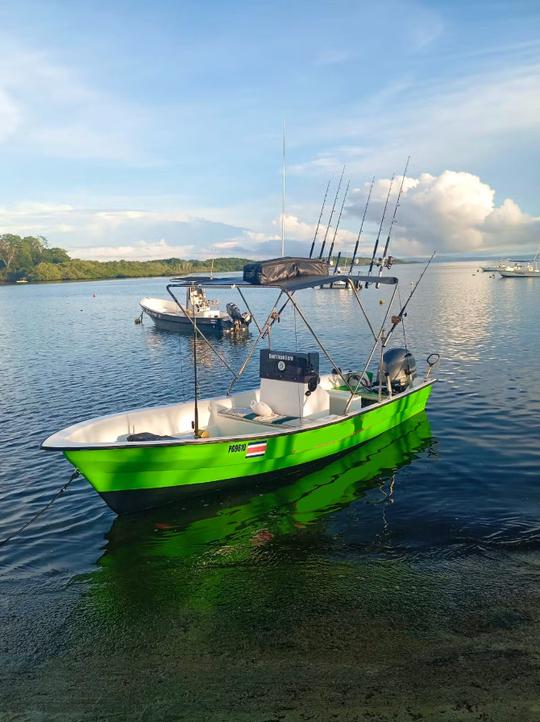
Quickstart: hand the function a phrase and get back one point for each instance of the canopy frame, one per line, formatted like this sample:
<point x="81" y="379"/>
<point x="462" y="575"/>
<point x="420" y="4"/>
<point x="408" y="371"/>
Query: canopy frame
<point x="287" y="288"/>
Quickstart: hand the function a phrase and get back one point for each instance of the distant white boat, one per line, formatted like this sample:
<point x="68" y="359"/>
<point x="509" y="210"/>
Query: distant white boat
<point x="522" y="269"/>
<point x="22" y="280"/>
<point x="505" y="264"/>
<point x="526" y="270"/>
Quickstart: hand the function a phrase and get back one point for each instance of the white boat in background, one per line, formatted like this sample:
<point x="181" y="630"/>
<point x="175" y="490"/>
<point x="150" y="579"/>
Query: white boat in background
<point x="505" y="264"/>
<point x="171" y="316"/>
<point x="522" y="269"/>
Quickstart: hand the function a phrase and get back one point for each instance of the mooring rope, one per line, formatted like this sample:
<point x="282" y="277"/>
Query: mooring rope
<point x="42" y="510"/>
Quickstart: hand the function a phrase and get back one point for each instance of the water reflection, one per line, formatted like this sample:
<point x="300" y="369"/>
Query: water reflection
<point x="234" y="525"/>
<point x="240" y="575"/>
<point x="175" y="343"/>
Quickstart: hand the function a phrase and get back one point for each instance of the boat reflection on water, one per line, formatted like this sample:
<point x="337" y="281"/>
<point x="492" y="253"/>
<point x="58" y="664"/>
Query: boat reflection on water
<point x="182" y="344"/>
<point x="235" y="523"/>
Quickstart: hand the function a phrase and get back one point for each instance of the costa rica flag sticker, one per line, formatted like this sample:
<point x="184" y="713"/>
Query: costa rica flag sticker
<point x="256" y="448"/>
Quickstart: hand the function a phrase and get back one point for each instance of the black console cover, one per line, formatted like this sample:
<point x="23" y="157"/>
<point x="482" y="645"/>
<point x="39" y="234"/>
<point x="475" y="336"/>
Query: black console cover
<point x="284" y="269"/>
<point x="289" y="366"/>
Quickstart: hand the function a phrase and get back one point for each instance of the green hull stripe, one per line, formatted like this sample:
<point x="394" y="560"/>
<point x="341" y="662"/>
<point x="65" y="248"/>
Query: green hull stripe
<point x="154" y="467"/>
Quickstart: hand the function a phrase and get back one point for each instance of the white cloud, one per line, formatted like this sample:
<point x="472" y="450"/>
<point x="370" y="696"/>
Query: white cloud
<point x="299" y="230"/>
<point x="128" y="233"/>
<point x="140" y="251"/>
<point x="451" y="212"/>
<point x="454" y="212"/>
<point x="226" y="245"/>
<point x="458" y="121"/>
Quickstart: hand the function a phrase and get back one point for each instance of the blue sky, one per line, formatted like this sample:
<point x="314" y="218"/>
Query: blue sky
<point x="143" y="129"/>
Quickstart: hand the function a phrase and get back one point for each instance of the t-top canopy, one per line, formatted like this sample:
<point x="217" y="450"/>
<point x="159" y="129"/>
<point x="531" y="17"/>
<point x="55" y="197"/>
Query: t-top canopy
<point x="294" y="284"/>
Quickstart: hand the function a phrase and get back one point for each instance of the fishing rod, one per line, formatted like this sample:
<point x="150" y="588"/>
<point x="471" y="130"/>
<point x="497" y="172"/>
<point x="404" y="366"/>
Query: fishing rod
<point x="396" y="320"/>
<point x="319" y="221"/>
<point x="393" y="219"/>
<point x="337" y="263"/>
<point x="339" y="220"/>
<point x="380" y="229"/>
<point x="331" y="214"/>
<point x="361" y="225"/>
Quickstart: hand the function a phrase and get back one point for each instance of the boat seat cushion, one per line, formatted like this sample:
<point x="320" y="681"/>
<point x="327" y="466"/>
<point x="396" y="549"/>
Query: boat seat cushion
<point x="246" y="414"/>
<point x="147" y="436"/>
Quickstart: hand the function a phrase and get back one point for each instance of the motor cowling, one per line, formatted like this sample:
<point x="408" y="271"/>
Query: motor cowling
<point x="398" y="367"/>
<point x="236" y="314"/>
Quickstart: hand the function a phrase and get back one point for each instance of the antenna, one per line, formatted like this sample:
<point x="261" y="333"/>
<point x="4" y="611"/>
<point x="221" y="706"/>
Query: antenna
<point x="338" y="220"/>
<point x="361" y="226"/>
<point x="331" y="213"/>
<point x="283" y="190"/>
<point x="319" y="221"/>
<point x="393" y="220"/>
<point x="380" y="229"/>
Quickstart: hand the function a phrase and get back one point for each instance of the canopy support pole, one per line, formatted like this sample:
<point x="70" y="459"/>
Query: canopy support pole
<point x="195" y="382"/>
<point x="373" y="349"/>
<point x="320" y="345"/>
<point x="248" y="358"/>
<point x="198" y="331"/>
<point x="351" y="286"/>
<point x="248" y="308"/>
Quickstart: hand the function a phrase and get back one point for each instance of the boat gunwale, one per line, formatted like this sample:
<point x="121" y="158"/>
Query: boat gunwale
<point x="171" y="442"/>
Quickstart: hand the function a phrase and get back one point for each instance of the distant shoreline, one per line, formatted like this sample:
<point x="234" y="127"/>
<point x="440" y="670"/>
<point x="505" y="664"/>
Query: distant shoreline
<point x="127" y="277"/>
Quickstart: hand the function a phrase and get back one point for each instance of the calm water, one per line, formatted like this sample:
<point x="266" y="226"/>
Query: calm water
<point x="401" y="582"/>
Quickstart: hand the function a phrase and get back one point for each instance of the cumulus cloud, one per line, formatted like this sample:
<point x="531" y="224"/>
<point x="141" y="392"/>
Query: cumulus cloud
<point x="124" y="233"/>
<point x="452" y="212"/>
<point x="299" y="230"/>
<point x="140" y="251"/>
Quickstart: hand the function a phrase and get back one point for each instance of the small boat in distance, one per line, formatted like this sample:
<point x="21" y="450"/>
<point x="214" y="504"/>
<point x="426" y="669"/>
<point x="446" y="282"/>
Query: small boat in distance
<point x="504" y="264"/>
<point x="171" y="316"/>
<point x="522" y="269"/>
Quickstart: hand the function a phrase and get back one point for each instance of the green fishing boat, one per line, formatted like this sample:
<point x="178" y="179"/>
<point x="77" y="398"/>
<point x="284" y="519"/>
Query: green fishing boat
<point x="295" y="419"/>
<point x="244" y="518"/>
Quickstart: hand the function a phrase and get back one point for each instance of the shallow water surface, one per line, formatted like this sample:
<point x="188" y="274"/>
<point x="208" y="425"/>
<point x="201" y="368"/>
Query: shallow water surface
<point x="398" y="582"/>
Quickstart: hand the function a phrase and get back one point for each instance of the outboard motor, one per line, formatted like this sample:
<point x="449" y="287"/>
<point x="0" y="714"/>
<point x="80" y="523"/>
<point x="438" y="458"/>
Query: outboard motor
<point x="399" y="368"/>
<point x="234" y="312"/>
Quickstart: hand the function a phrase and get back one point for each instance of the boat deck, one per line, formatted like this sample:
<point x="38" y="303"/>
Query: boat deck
<point x="246" y="414"/>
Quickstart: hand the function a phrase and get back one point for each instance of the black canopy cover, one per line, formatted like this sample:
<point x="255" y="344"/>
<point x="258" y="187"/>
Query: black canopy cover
<point x="276" y="270"/>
